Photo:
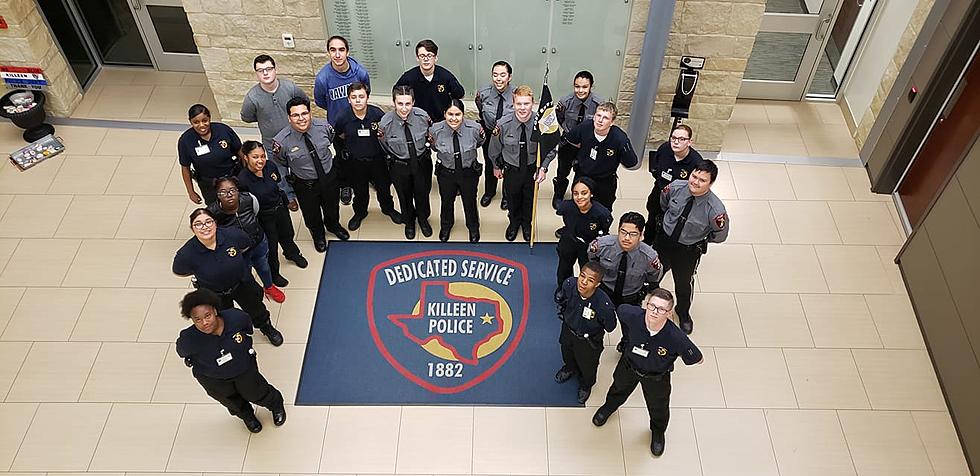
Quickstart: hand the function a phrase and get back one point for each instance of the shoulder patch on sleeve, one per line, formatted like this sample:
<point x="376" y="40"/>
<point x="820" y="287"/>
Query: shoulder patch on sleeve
<point x="496" y="131"/>
<point x="276" y="147"/>
<point x="655" y="263"/>
<point x="721" y="220"/>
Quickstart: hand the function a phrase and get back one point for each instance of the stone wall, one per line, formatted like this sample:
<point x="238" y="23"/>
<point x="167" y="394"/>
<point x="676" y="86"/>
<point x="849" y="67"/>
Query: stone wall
<point x="723" y="31"/>
<point x="911" y="33"/>
<point x="231" y="33"/>
<point x="28" y="42"/>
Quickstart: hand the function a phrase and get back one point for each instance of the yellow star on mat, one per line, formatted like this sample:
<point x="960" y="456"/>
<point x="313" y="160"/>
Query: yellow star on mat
<point x="486" y="318"/>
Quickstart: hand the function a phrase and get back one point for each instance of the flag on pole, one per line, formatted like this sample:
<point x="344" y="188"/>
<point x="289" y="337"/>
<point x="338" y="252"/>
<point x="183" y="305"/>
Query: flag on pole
<point x="546" y="134"/>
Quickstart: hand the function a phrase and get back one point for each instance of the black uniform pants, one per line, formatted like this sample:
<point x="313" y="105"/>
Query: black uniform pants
<point x="278" y="228"/>
<point x="373" y="171"/>
<point x="248" y="295"/>
<point x="655" y="217"/>
<point x="465" y="183"/>
<point x="682" y="261"/>
<point x="566" y="158"/>
<point x="413" y="183"/>
<point x="605" y="189"/>
<point x="570" y="251"/>
<point x="519" y="190"/>
<point x="656" y="393"/>
<point x="319" y="201"/>
<point x="580" y="356"/>
<point x="236" y="393"/>
<point x="208" y="191"/>
<point x="489" y="179"/>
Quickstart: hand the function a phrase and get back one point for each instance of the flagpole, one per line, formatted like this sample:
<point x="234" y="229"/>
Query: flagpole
<point x="537" y="167"/>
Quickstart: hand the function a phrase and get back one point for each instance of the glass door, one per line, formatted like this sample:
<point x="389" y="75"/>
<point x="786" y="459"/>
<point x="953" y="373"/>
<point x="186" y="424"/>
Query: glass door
<point x="450" y="26"/>
<point x="375" y="37"/>
<point x="588" y="35"/>
<point x="69" y="34"/>
<point x="525" y="48"/>
<point x="787" y="48"/>
<point x="168" y="35"/>
<point x="114" y="30"/>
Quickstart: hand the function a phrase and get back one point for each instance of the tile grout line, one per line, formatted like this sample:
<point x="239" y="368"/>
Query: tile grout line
<point x="13" y="458"/>
<point x="398" y="439"/>
<point x="105" y="423"/>
<point x="173" y="444"/>
<point x="74" y="326"/>
<point x="864" y="386"/>
<point x="156" y="384"/>
<point x="20" y="299"/>
<point x="789" y="373"/>
<point x="874" y="323"/>
<point x="918" y="431"/>
<point x="17" y="374"/>
<point x="765" y="416"/>
<point x="806" y="320"/>
<point x="323" y="438"/>
<point x="89" y="376"/>
<point x="146" y="313"/>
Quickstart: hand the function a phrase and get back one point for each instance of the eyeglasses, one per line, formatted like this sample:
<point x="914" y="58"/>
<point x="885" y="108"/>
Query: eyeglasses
<point x="297" y="115"/>
<point x="658" y="309"/>
<point x="227" y="192"/>
<point x="629" y="234"/>
<point x="679" y="139"/>
<point x="265" y="70"/>
<point x="201" y="225"/>
<point x="427" y="56"/>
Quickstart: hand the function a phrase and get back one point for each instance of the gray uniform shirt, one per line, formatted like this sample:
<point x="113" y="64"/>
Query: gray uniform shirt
<point x="470" y="138"/>
<point x="707" y="220"/>
<point x="289" y="149"/>
<point x="568" y="107"/>
<point x="505" y="143"/>
<point x="487" y="100"/>
<point x="392" y="133"/>
<point x="643" y="264"/>
<point x="269" y="109"/>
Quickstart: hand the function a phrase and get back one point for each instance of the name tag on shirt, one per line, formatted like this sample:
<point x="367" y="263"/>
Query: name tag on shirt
<point x="667" y="176"/>
<point x="588" y="313"/>
<point x="640" y="351"/>
<point x="202" y="149"/>
<point x="363" y="133"/>
<point x="224" y="359"/>
<point x="592" y="153"/>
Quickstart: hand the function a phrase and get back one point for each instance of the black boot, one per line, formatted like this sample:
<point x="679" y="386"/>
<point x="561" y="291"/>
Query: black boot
<point x="560" y="186"/>
<point x="253" y="424"/>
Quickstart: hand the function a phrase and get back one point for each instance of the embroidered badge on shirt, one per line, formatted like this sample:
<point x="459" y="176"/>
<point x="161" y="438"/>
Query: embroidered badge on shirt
<point x="440" y="88"/>
<point x="610" y="152"/>
<point x="274" y="177"/>
<point x="655" y="263"/>
<point x="223" y="143"/>
<point x="721" y="220"/>
<point x="661" y="351"/>
<point x="232" y="252"/>
<point x="238" y="338"/>
<point x="683" y="174"/>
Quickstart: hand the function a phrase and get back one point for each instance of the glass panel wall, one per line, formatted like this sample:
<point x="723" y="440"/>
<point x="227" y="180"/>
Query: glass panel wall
<point x="114" y="30"/>
<point x="69" y="35"/>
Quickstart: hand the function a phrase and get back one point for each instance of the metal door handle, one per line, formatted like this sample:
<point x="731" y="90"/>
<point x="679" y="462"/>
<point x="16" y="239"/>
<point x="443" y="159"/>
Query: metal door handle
<point x="544" y="50"/>
<point x="554" y="50"/>
<point x="408" y="43"/>
<point x="470" y="47"/>
<point x="398" y="42"/>
<point x="822" y="27"/>
<point x="479" y="47"/>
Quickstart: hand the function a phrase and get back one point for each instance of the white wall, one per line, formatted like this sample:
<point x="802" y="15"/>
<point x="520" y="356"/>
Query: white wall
<point x="879" y="47"/>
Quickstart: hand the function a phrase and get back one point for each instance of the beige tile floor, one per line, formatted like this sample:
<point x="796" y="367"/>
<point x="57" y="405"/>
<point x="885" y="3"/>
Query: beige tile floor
<point x="133" y="94"/>
<point x="813" y="129"/>
<point x="814" y="363"/>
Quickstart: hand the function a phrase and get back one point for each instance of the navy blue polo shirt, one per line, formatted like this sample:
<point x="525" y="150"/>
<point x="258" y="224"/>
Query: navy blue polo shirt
<point x="265" y="188"/>
<point x="665" y="168"/>
<point x="361" y="135"/>
<point x="219" y="270"/>
<point x="218" y="159"/>
<point x="209" y="353"/>
<point x="432" y="96"/>
<point x="601" y="159"/>
<point x="584" y="227"/>
<point x="654" y="354"/>
<point x="589" y="316"/>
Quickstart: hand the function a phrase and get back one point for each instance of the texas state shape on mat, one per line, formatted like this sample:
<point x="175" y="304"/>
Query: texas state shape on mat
<point x="435" y="323"/>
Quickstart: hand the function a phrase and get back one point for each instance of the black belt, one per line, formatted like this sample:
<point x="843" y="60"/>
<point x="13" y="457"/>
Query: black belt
<point x="641" y="374"/>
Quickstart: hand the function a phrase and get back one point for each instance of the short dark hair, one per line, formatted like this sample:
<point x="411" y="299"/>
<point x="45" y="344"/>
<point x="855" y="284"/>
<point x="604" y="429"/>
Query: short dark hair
<point x="595" y="267"/>
<point x="198" y="297"/>
<point x="358" y="86"/>
<point x="221" y="180"/>
<point x="661" y="293"/>
<point x="454" y="103"/>
<point x="634" y="218"/>
<point x="198" y="109"/>
<point x="338" y="37"/>
<point x="588" y="182"/>
<point x="709" y="166"/>
<point x="402" y="90"/>
<point x="298" y="101"/>
<point x="250" y="145"/>
<point x="685" y="128"/>
<point x="584" y="74"/>
<point x="263" y="58"/>
<point x="200" y="211"/>
<point x="510" y="69"/>
<point x="429" y="46"/>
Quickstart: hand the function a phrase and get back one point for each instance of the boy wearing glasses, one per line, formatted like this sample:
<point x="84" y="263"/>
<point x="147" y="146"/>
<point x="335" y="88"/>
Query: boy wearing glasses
<point x="265" y="103"/>
<point x="433" y="85"/>
<point x="653" y="343"/>
<point x="630" y="267"/>
<point x="673" y="160"/>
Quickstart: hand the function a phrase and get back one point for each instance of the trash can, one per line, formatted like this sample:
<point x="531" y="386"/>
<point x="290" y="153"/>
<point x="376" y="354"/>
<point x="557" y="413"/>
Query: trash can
<point x="30" y="119"/>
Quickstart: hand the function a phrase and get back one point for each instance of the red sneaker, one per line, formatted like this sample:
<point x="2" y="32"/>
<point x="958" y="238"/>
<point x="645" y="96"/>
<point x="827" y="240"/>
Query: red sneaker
<point x="275" y="294"/>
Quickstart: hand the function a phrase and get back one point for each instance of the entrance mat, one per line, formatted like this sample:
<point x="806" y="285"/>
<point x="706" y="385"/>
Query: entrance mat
<point x="425" y="323"/>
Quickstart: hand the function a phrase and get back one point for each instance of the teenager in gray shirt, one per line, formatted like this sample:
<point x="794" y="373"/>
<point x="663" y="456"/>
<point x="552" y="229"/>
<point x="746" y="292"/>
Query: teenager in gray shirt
<point x="265" y="103"/>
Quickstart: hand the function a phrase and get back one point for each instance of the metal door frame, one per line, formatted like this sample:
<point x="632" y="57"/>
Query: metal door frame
<point x="818" y="26"/>
<point x="162" y="60"/>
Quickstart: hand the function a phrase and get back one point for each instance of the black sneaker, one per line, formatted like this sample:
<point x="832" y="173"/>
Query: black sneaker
<point x="583" y="395"/>
<point x="657" y="443"/>
<point x="299" y="261"/>
<point x="346" y="195"/>
<point x="279" y="280"/>
<point x="564" y="374"/>
<point x="273" y="334"/>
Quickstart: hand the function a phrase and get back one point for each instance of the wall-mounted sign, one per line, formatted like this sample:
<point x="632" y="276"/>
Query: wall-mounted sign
<point x="23" y="77"/>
